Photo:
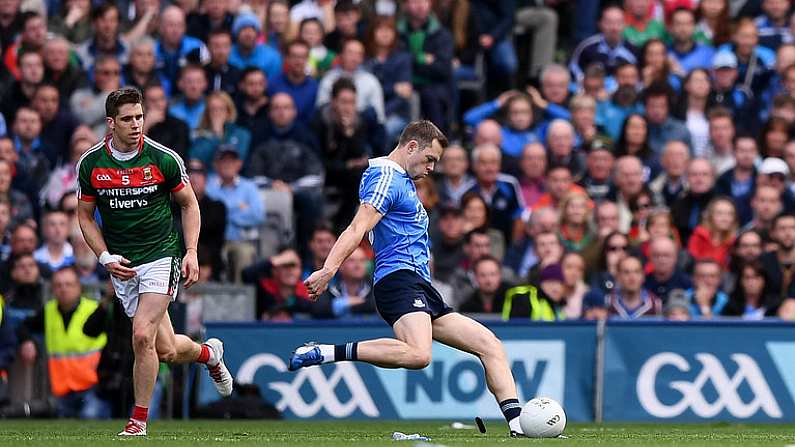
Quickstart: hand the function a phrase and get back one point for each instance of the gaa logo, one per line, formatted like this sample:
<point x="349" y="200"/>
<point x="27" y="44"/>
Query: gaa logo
<point x="691" y="392"/>
<point x="104" y="177"/>
<point x="325" y="394"/>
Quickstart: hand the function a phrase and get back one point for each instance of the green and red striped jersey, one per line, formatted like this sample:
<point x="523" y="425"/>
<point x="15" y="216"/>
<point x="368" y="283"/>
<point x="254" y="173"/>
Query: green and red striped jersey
<point x="134" y="198"/>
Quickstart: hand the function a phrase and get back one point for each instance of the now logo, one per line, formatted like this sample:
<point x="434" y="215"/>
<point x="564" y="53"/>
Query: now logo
<point x="692" y="392"/>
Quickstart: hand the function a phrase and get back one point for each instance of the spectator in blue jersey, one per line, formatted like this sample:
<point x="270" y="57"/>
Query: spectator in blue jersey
<point x="221" y="75"/>
<point x="501" y="192"/>
<point x="217" y="127"/>
<point x="726" y="92"/>
<point x="190" y="106"/>
<point x="56" y="251"/>
<point x="431" y="47"/>
<point x="685" y="51"/>
<point x="247" y="52"/>
<point x="350" y="293"/>
<point x="106" y="40"/>
<point x="662" y="127"/>
<point x="392" y="66"/>
<point x="519" y="128"/>
<point x="608" y="47"/>
<point x="174" y="49"/>
<point x="369" y="94"/>
<point x="754" y="62"/>
<point x="630" y="299"/>
<point x="245" y="210"/>
<point x="493" y="24"/>
<point x="773" y="24"/>
<point x="295" y="81"/>
<point x="705" y="297"/>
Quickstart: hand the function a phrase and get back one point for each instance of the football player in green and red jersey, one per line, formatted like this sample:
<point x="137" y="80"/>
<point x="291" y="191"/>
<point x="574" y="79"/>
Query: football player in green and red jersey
<point x="130" y="179"/>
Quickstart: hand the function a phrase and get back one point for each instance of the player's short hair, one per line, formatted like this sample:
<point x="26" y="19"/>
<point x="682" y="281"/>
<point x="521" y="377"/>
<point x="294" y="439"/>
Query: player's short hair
<point x="126" y="95"/>
<point x="423" y="132"/>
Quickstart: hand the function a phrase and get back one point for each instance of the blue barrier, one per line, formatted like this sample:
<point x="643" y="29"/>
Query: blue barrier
<point x="652" y="372"/>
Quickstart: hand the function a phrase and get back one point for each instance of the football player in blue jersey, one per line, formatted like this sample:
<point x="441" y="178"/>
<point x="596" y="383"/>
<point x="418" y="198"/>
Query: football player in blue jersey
<point x="404" y="296"/>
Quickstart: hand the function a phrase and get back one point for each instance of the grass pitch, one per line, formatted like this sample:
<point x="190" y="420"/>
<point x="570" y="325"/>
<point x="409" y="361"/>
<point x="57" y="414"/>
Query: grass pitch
<point x="355" y="433"/>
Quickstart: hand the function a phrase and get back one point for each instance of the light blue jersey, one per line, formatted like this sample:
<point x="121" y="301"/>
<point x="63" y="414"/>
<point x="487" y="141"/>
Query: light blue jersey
<point x="400" y="239"/>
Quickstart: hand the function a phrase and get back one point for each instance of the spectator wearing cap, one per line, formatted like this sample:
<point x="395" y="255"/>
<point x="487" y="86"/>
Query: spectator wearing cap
<point x="630" y="300"/>
<point x="296" y="82"/>
<point x="431" y="46"/>
<point x="599" y="162"/>
<point x="161" y="125"/>
<point x="607" y="48"/>
<point x="369" y="94"/>
<point x="448" y="245"/>
<point x="542" y="302"/>
<point x="684" y="50"/>
<point x="211" y="239"/>
<point x="657" y="99"/>
<point x="489" y="293"/>
<point x="594" y="306"/>
<point x="245" y="210"/>
<point x="773" y="24"/>
<point x="671" y="183"/>
<point x="221" y="75"/>
<point x="739" y="182"/>
<point x="705" y="298"/>
<point x="726" y="92"/>
<point x="217" y="126"/>
<point x="774" y="172"/>
<point x="174" y="49"/>
<point x="246" y="52"/>
<point x="677" y="308"/>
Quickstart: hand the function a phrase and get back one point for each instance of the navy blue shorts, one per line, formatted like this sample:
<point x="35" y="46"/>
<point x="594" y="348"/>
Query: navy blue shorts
<point x="404" y="291"/>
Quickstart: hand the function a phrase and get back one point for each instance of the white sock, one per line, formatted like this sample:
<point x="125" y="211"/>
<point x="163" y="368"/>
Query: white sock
<point x="327" y="351"/>
<point x="212" y="361"/>
<point x="514" y="425"/>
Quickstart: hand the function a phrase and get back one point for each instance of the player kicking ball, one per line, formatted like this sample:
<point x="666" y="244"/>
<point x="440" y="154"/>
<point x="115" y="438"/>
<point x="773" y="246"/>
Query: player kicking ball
<point x="403" y="293"/>
<point x="130" y="179"/>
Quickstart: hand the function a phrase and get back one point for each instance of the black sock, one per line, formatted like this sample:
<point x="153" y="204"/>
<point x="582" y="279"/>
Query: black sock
<point x="346" y="351"/>
<point x="510" y="409"/>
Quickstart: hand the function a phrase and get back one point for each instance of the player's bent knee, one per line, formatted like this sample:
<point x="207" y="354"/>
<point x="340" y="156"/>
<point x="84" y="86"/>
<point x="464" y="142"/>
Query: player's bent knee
<point x="419" y="360"/>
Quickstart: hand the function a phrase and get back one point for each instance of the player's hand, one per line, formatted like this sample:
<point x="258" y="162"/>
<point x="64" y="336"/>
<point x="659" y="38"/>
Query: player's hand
<point x="118" y="269"/>
<point x="317" y="282"/>
<point x="190" y="268"/>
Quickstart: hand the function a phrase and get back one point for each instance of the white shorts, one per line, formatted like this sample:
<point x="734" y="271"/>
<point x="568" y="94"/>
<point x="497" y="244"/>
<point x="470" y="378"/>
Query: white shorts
<point x="160" y="276"/>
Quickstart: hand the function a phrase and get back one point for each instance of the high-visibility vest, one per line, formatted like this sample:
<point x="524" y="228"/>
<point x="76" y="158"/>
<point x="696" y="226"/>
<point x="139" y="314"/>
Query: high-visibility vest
<point x="72" y="357"/>
<point x="540" y="310"/>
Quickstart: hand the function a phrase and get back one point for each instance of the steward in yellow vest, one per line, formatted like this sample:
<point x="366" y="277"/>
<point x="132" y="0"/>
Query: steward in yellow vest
<point x="539" y="303"/>
<point x="72" y="356"/>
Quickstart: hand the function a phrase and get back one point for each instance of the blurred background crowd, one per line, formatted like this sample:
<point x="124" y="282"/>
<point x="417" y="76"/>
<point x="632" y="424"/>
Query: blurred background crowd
<point x="609" y="159"/>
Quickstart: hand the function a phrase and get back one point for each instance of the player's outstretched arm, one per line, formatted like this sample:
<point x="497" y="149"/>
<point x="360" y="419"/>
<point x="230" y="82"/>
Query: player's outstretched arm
<point x="365" y="219"/>
<point x="191" y="226"/>
<point x="94" y="239"/>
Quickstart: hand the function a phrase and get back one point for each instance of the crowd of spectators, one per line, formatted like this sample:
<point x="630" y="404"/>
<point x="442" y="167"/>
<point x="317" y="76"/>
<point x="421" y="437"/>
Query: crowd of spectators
<point x="609" y="160"/>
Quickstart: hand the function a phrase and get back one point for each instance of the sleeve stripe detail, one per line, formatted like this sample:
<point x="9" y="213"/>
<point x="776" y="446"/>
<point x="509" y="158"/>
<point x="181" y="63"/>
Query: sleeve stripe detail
<point x="178" y="187"/>
<point x="86" y="198"/>
<point x="381" y="188"/>
<point x="183" y="173"/>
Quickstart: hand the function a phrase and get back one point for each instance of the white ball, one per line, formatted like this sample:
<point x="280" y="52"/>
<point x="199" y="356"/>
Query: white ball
<point x="542" y="417"/>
